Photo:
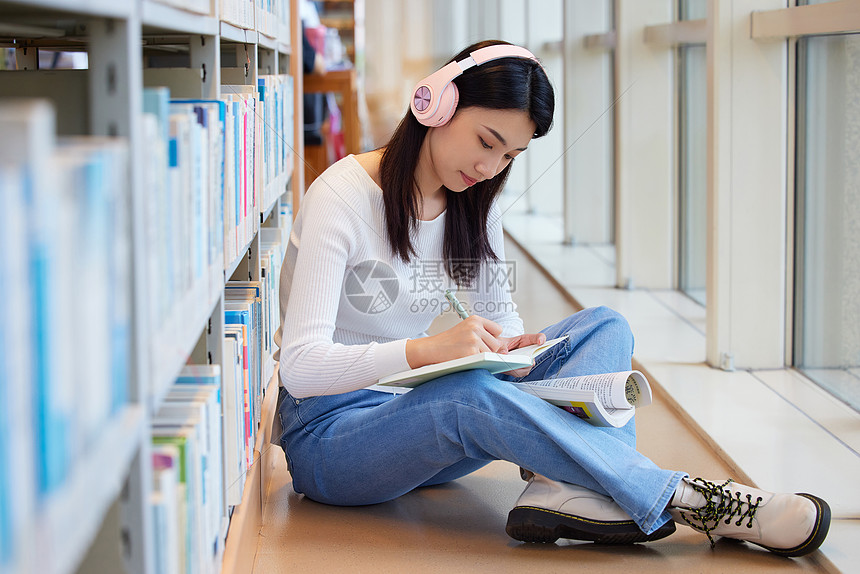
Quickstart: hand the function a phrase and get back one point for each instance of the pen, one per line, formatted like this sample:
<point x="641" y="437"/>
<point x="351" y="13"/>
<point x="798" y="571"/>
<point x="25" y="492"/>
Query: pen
<point x="455" y="303"/>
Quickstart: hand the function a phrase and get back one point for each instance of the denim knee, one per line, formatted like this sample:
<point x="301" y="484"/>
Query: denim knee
<point x="611" y="323"/>
<point x="483" y="392"/>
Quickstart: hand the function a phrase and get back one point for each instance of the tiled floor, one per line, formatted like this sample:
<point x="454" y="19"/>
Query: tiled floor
<point x="778" y="428"/>
<point x="459" y="527"/>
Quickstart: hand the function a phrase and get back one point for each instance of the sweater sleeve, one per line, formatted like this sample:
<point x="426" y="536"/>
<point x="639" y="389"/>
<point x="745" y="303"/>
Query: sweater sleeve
<point x="490" y="295"/>
<point x="310" y="362"/>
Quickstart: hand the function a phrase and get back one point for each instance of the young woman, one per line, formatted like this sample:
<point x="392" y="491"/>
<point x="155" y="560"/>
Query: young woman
<point x="377" y="241"/>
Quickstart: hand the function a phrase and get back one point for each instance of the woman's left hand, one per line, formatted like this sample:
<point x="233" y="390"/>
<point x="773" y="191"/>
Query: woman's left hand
<point x="511" y="343"/>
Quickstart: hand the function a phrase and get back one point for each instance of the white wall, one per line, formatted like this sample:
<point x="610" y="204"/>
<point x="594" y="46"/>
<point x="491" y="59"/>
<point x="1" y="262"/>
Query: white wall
<point x="747" y="189"/>
<point x="645" y="166"/>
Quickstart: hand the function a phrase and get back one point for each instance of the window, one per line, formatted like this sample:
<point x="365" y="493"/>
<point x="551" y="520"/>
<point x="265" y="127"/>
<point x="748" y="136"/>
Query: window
<point x="827" y="231"/>
<point x="692" y="160"/>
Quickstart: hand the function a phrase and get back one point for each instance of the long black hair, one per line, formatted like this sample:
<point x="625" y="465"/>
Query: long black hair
<point x="503" y="84"/>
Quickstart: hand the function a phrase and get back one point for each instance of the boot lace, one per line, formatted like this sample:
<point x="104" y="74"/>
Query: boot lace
<point x="721" y="504"/>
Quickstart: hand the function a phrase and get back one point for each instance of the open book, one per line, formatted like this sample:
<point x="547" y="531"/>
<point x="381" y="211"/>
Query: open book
<point x="493" y="362"/>
<point x="608" y="399"/>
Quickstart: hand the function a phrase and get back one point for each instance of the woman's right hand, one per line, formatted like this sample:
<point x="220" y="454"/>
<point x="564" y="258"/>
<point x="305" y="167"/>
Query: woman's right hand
<point x="472" y="335"/>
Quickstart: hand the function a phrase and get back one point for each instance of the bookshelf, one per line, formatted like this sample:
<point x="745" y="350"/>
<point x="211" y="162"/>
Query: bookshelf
<point x="347" y="17"/>
<point x="202" y="50"/>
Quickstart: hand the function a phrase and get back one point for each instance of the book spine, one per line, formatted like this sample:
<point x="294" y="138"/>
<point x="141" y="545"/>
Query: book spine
<point x="233" y="435"/>
<point x="17" y="464"/>
<point x="50" y="267"/>
<point x="189" y="420"/>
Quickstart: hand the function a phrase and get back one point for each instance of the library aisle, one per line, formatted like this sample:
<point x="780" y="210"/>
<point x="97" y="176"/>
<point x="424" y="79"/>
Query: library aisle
<point x="460" y="526"/>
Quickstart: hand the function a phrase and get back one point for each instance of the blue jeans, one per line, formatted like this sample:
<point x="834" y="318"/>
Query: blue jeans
<point x="367" y="447"/>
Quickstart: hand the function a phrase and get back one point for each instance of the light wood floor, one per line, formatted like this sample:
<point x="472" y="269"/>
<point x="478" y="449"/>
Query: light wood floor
<point x="459" y="527"/>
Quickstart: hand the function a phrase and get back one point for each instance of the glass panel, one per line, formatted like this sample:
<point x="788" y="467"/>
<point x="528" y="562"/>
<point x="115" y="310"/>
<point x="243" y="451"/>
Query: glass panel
<point x="827" y="306"/>
<point x="692" y="142"/>
<point x="693" y="9"/>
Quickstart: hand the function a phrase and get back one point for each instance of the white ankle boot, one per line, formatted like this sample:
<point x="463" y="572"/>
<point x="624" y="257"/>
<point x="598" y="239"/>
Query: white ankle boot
<point x="548" y="510"/>
<point x="787" y="524"/>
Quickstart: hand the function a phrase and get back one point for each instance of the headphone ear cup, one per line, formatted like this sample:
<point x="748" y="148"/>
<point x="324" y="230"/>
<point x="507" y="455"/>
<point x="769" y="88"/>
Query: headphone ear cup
<point x="422" y="99"/>
<point x="448" y="100"/>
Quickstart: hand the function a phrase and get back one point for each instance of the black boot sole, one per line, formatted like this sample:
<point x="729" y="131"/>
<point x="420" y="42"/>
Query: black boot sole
<point x="819" y="532"/>
<point x="533" y="524"/>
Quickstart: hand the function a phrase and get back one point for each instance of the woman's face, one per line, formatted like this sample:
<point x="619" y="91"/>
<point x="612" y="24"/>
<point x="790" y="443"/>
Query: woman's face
<point x="477" y="144"/>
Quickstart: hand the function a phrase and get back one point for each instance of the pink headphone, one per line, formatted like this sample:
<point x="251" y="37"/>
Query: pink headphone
<point x="435" y="98"/>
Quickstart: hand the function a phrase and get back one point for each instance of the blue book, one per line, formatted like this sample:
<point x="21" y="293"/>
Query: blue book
<point x="52" y="416"/>
<point x="252" y="297"/>
<point x="244" y="318"/>
<point x="7" y="543"/>
<point x="156" y="101"/>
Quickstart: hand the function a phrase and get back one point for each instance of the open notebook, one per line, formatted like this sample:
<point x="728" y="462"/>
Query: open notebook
<point x="493" y="362"/>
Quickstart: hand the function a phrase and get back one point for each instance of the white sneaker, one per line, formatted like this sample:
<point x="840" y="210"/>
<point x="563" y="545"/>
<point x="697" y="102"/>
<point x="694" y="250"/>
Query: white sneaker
<point x="548" y="510"/>
<point x="786" y="524"/>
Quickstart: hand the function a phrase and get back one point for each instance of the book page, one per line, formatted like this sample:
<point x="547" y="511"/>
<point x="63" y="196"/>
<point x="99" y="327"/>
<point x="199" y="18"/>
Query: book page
<point x="493" y="362"/>
<point x="535" y="351"/>
<point x="612" y="390"/>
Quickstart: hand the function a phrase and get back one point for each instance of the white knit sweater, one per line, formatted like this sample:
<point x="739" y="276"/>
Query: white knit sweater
<point x="348" y="305"/>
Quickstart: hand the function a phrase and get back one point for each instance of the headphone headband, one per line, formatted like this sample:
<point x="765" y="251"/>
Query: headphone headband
<point x="435" y="98"/>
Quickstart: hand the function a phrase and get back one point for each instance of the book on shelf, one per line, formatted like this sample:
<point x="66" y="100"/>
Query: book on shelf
<point x="17" y="464"/>
<point x="271" y="258"/>
<point x="198" y="387"/>
<point x="183" y="438"/>
<point x="238" y="12"/>
<point x="66" y="207"/>
<point x="493" y="362"/>
<point x="235" y="442"/>
<point x="167" y="506"/>
<point x="245" y="315"/>
<point x="188" y="423"/>
<point x="275" y="98"/>
<point x="238" y="333"/>
<point x="197" y="135"/>
<point x="183" y="207"/>
<point x="265" y="314"/>
<point x="31" y="128"/>
<point x="156" y="202"/>
<point x="605" y="399"/>
<point x="252" y="292"/>
<point x="212" y="117"/>
<point x="246" y="125"/>
<point x="92" y="173"/>
<point x="185" y="150"/>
